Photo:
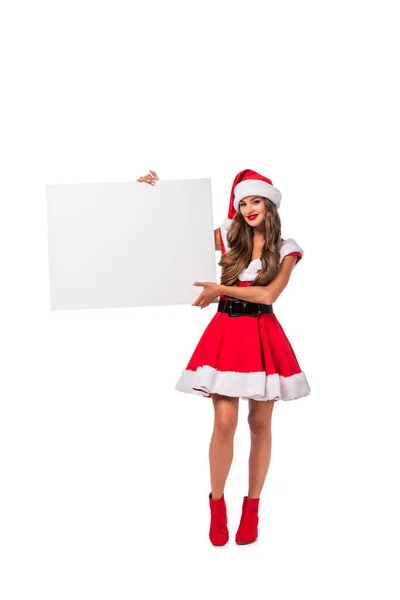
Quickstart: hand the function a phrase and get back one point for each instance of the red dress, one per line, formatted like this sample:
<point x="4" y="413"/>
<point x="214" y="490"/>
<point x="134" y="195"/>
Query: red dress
<point x="247" y="357"/>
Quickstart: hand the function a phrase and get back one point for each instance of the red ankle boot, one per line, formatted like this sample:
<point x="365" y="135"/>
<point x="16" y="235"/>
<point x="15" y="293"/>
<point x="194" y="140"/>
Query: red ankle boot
<point x="219" y="534"/>
<point x="248" y="526"/>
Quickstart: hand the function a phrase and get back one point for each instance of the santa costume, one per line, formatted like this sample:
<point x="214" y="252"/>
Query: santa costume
<point x="246" y="355"/>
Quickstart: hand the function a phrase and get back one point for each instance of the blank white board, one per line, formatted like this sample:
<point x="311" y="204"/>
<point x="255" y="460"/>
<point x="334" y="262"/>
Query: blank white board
<point x="130" y="243"/>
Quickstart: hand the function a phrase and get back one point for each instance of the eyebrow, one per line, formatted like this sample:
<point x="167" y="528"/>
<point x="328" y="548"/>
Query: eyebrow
<point x="252" y="198"/>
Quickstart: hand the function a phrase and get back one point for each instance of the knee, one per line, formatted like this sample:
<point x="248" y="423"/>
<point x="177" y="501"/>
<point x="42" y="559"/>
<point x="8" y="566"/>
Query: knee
<point x="225" y="427"/>
<point x="258" y="427"/>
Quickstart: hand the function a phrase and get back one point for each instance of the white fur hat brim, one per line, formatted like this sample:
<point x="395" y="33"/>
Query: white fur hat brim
<point x="256" y="187"/>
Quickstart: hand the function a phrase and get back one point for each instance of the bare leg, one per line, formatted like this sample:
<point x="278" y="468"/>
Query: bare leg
<point x="221" y="445"/>
<point x="260" y="414"/>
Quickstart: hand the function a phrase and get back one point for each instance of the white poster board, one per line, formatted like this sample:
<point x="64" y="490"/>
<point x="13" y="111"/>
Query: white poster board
<point x="130" y="243"/>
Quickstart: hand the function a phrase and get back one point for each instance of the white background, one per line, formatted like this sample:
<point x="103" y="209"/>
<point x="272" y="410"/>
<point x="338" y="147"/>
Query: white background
<point x="104" y="466"/>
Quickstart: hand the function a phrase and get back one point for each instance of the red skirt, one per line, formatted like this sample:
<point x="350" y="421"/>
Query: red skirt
<point x="246" y="357"/>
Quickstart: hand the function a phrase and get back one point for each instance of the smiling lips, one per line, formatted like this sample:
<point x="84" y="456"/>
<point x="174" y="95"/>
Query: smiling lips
<point x="251" y="217"/>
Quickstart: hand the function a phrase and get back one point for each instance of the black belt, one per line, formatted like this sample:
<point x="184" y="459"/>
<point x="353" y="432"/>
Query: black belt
<point x="238" y="308"/>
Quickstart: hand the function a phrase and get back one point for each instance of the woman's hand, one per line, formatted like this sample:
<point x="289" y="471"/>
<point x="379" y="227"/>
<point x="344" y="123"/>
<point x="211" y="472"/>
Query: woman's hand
<point x="149" y="178"/>
<point x="209" y="293"/>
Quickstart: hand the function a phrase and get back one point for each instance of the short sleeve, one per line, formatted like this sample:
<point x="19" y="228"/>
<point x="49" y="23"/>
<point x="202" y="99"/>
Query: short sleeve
<point x="295" y="254"/>
<point x="290" y="247"/>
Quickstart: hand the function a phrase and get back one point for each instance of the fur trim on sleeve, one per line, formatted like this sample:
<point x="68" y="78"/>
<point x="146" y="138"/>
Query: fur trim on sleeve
<point x="288" y="246"/>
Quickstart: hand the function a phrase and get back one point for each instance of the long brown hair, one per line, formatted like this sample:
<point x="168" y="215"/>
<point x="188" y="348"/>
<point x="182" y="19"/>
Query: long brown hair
<point x="240" y="242"/>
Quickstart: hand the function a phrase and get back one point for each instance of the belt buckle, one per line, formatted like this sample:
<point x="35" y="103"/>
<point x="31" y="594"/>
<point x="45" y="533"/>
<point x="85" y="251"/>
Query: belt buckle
<point x="257" y="311"/>
<point x="231" y="312"/>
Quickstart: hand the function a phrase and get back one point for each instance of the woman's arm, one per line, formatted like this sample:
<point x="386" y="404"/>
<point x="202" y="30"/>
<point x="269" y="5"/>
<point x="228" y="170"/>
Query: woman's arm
<point x="263" y="294"/>
<point x="217" y="240"/>
<point x="256" y="293"/>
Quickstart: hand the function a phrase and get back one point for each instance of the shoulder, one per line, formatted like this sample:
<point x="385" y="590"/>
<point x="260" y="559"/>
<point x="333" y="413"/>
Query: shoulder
<point x="290" y="247"/>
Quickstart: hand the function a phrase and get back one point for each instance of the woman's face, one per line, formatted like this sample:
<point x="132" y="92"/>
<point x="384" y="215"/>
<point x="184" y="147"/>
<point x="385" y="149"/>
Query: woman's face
<point x="253" y="210"/>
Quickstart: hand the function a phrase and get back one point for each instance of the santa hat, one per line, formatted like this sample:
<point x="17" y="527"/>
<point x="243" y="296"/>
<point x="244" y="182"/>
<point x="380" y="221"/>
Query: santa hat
<point x="250" y="183"/>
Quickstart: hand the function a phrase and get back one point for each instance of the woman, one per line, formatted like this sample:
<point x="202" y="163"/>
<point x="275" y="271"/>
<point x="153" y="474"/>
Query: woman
<point x="244" y="352"/>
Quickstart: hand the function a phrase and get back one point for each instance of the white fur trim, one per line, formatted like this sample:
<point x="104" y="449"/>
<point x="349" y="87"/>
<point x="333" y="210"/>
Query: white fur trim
<point x="250" y="273"/>
<point x="224" y="231"/>
<point x="226" y="223"/>
<point x="256" y="187"/>
<point x="288" y="246"/>
<point x="248" y="386"/>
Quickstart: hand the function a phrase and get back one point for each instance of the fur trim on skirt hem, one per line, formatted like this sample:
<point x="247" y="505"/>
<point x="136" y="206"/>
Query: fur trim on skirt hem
<point x="249" y="386"/>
